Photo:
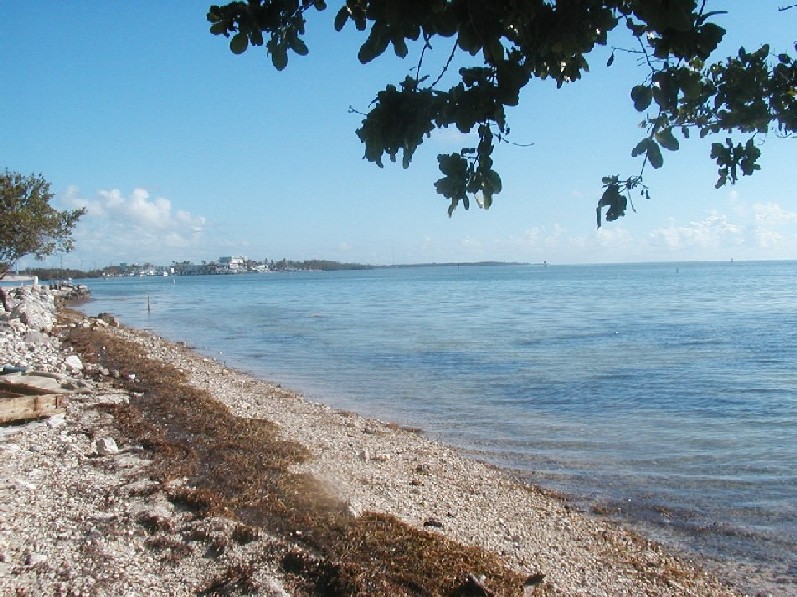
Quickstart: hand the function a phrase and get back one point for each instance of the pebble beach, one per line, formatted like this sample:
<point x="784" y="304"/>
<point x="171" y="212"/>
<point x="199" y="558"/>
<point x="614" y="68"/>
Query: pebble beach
<point x="80" y="513"/>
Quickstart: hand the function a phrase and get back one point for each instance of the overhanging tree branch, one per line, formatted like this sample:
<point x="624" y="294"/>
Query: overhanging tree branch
<point x="513" y="43"/>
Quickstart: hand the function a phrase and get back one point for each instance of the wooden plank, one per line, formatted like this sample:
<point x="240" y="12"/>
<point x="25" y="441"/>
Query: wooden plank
<point x="22" y="408"/>
<point x="12" y="389"/>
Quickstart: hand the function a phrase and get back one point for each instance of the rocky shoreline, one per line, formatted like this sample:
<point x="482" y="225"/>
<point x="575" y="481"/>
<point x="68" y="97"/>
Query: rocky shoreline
<point x="81" y="512"/>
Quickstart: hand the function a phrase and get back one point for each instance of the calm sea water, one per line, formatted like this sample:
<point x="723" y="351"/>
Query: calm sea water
<point x="662" y="393"/>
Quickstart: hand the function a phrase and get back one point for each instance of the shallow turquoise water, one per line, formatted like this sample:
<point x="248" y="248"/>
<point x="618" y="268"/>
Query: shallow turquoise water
<point x="666" y="390"/>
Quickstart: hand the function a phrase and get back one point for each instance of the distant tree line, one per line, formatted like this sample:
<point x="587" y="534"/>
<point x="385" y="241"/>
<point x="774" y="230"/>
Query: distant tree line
<point x="54" y="273"/>
<point x="315" y="265"/>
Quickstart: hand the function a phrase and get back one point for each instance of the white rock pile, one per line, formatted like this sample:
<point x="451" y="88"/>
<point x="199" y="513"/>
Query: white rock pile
<point x="25" y="331"/>
<point x="78" y="512"/>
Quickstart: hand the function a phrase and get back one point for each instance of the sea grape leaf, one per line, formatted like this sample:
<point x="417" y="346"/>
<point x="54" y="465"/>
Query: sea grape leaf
<point x="641" y="95"/>
<point x="239" y="43"/>
<point x="667" y="140"/>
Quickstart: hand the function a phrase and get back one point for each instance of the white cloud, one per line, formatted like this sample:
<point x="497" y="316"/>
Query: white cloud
<point x="554" y="243"/>
<point x="772" y="213"/>
<point x="187" y="219"/>
<point x="614" y="237"/>
<point x="751" y="231"/>
<point x="139" y="210"/>
<point x="471" y="244"/>
<point x="757" y="231"/>
<point x="539" y="237"/>
<point x="774" y="227"/>
<point x="713" y="232"/>
<point x="136" y="226"/>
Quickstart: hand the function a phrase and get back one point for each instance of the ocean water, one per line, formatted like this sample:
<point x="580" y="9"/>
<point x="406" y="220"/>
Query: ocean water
<point x="663" y="394"/>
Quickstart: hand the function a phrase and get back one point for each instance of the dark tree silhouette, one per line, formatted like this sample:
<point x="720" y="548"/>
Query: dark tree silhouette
<point x="508" y="43"/>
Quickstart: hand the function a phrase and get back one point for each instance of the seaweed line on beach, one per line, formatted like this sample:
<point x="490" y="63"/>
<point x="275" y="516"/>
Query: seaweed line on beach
<point x="249" y="468"/>
<point x="241" y="468"/>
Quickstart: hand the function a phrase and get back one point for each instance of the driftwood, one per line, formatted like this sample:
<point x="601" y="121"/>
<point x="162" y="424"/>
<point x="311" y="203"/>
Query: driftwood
<point x="20" y="402"/>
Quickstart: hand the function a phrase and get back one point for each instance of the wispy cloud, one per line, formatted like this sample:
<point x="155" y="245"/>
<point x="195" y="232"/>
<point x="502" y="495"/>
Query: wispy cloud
<point x="774" y="226"/>
<point x="761" y="231"/>
<point x="713" y="232"/>
<point x="768" y="214"/>
<point x="752" y="231"/>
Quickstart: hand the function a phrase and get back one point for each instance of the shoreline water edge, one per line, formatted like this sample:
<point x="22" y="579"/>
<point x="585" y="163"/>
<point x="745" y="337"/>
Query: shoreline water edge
<point x="83" y="513"/>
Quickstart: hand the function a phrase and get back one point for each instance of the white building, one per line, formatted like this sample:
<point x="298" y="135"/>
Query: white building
<point x="233" y="263"/>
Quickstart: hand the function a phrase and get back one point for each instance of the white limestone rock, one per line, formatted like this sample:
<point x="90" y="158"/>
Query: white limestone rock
<point x="106" y="446"/>
<point x="73" y="362"/>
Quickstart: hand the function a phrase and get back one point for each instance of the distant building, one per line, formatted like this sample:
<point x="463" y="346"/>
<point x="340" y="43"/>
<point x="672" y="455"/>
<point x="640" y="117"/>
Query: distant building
<point x="233" y="263"/>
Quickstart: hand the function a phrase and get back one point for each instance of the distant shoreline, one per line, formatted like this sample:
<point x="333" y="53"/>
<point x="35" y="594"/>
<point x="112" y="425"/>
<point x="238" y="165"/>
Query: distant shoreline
<point x="459" y="264"/>
<point x="51" y="273"/>
<point x="316" y="265"/>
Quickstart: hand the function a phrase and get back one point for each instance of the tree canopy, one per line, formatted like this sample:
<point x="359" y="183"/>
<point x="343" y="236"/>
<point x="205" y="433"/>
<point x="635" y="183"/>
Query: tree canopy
<point x="505" y="44"/>
<point x="29" y="225"/>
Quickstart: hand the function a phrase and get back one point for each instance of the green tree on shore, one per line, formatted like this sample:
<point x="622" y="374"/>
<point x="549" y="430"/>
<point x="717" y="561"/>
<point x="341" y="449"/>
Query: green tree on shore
<point x="505" y="44"/>
<point x="29" y="225"/>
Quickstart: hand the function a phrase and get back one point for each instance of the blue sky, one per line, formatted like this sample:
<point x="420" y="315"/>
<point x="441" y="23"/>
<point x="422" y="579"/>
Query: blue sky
<point x="181" y="150"/>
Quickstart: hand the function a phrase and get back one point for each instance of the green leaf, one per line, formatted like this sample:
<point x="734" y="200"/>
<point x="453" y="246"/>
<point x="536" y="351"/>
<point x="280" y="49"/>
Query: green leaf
<point x="374" y="46"/>
<point x="239" y="43"/>
<point x="493" y="182"/>
<point x="667" y="140"/>
<point x="614" y="200"/>
<point x="641" y="147"/>
<point x="399" y="46"/>
<point x="654" y="155"/>
<point x="469" y="40"/>
<point x="298" y="46"/>
<point x="719" y="152"/>
<point x="711" y="35"/>
<point x="641" y="95"/>
<point x="341" y="18"/>
<point x="493" y="51"/>
<point x="679" y="16"/>
<point x="279" y="56"/>
<point x="219" y="28"/>
<point x="689" y="83"/>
